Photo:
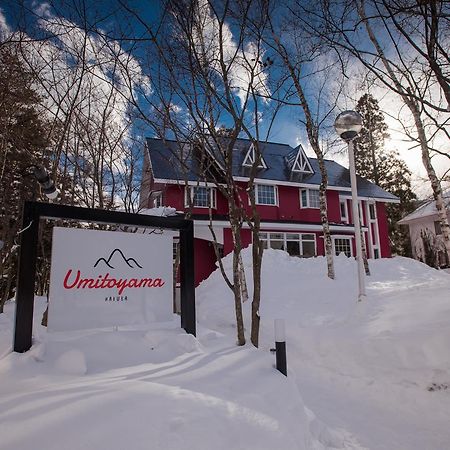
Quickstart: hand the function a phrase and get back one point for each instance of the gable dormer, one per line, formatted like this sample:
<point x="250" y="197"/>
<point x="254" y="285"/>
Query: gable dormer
<point x="298" y="162"/>
<point x="251" y="157"/>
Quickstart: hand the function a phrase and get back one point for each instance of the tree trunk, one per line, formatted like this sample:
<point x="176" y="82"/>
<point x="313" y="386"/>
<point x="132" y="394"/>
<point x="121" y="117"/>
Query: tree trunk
<point x="364" y="254"/>
<point x="242" y="280"/>
<point x="257" y="264"/>
<point x="328" y="243"/>
<point x="236" y="233"/>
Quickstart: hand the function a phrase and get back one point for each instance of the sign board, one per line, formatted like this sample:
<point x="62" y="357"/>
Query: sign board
<point x="106" y="278"/>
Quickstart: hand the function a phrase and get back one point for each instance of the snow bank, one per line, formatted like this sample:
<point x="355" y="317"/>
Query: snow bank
<point x="379" y="359"/>
<point x="370" y="375"/>
<point x="402" y="323"/>
<point x="155" y="388"/>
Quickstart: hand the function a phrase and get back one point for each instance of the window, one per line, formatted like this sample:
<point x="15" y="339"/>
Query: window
<point x="372" y="212"/>
<point x="376" y="253"/>
<point x="266" y="195"/>
<point x="202" y="197"/>
<point x="343" y="245"/>
<point x="360" y="214"/>
<point x="437" y="227"/>
<point x="158" y="200"/>
<point x="298" y="161"/>
<point x="344" y="212"/>
<point x="308" y="245"/>
<point x="296" y="244"/>
<point x="309" y="198"/>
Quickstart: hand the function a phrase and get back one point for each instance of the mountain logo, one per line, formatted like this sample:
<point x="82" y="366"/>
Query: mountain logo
<point x="116" y="258"/>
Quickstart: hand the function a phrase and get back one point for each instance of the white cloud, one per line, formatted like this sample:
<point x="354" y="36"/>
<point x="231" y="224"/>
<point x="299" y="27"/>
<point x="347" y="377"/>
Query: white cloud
<point x="244" y="63"/>
<point x="89" y="79"/>
<point x="5" y="31"/>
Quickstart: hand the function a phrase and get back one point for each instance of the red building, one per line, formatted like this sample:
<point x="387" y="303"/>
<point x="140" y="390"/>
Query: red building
<point x="287" y="195"/>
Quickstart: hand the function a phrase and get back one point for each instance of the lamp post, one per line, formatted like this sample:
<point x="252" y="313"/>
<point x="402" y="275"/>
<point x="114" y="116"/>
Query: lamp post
<point x="43" y="178"/>
<point x="348" y="124"/>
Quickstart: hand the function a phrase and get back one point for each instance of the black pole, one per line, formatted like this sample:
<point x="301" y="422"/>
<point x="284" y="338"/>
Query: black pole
<point x="26" y="279"/>
<point x="187" y="279"/>
<point x="280" y="352"/>
<point x="280" y="346"/>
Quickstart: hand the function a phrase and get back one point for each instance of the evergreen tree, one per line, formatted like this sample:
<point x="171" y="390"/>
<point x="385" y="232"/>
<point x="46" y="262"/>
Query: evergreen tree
<point x="23" y="142"/>
<point x="386" y="169"/>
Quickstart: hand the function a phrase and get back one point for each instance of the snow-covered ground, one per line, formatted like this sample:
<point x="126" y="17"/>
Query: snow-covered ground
<point x="361" y="376"/>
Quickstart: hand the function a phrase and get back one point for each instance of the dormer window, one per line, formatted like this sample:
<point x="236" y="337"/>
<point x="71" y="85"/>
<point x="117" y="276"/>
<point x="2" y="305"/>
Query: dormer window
<point x="298" y="161"/>
<point x="251" y="157"/>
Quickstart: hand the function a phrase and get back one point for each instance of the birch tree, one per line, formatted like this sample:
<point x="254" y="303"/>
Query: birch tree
<point x="305" y="64"/>
<point x="404" y="45"/>
<point x="208" y="80"/>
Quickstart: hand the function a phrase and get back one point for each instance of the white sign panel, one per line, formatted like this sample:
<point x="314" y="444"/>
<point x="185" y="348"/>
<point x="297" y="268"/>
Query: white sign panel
<point x="104" y="278"/>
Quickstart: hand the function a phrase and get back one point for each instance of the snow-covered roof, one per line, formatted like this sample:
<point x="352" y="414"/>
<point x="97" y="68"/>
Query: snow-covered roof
<point x="426" y="210"/>
<point x="160" y="211"/>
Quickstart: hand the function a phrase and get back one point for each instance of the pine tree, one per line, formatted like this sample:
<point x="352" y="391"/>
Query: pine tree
<point x="385" y="168"/>
<point x="23" y="142"/>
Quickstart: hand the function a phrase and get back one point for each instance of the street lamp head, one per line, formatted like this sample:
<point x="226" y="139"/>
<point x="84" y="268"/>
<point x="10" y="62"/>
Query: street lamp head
<point x="348" y="124"/>
<point x="47" y="185"/>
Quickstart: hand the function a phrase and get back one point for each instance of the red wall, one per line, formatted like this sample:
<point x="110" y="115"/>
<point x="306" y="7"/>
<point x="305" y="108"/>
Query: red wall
<point x="205" y="260"/>
<point x="289" y="206"/>
<point x="385" y="248"/>
<point x="288" y="209"/>
<point x="246" y="239"/>
<point x="173" y="195"/>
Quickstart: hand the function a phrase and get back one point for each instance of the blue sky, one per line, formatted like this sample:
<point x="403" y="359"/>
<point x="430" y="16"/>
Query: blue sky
<point x="286" y="129"/>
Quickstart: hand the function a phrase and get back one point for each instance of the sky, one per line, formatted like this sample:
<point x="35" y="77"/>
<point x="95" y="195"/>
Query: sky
<point x="287" y="127"/>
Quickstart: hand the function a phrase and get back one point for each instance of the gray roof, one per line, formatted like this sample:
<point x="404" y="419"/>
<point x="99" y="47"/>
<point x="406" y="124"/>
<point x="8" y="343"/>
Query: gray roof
<point x="167" y="164"/>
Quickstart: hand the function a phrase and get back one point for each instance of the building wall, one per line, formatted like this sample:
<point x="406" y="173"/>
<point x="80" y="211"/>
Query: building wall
<point x="424" y="224"/>
<point x="246" y="240"/>
<point x="385" y="248"/>
<point x="205" y="260"/>
<point x="287" y="209"/>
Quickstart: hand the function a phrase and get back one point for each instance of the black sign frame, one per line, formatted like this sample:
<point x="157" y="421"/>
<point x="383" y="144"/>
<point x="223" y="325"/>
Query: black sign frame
<point x="33" y="212"/>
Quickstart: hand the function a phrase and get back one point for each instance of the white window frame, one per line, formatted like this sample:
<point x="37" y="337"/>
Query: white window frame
<point x="308" y="198"/>
<point x="349" y="238"/>
<point x="250" y="159"/>
<point x="285" y="240"/>
<point x="158" y="200"/>
<point x="373" y="230"/>
<point x="301" y="163"/>
<point x="190" y="190"/>
<point x="257" y="200"/>
<point x="343" y="218"/>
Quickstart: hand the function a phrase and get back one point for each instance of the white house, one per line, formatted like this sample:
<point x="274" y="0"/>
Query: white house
<point x="425" y="232"/>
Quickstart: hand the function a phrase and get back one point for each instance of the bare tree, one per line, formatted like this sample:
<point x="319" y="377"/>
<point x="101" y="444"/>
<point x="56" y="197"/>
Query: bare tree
<point x="209" y="81"/>
<point x="306" y="62"/>
<point x="84" y="77"/>
<point x="403" y="44"/>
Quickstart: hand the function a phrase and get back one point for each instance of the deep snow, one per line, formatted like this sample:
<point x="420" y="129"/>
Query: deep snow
<point x="370" y="375"/>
